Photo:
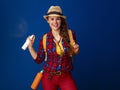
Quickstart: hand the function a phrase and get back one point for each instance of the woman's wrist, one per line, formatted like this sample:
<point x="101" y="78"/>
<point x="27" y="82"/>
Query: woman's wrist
<point x="30" y="47"/>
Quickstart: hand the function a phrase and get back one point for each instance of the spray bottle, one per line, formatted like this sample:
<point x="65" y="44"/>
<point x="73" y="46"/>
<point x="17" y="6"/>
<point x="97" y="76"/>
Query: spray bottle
<point x="25" y="45"/>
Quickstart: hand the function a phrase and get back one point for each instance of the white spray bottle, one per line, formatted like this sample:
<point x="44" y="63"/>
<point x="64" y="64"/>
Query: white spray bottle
<point x="25" y="45"/>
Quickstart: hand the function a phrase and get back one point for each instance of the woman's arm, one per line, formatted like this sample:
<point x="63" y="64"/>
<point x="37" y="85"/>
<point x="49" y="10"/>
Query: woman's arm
<point x="31" y="49"/>
<point x="32" y="52"/>
<point x="38" y="56"/>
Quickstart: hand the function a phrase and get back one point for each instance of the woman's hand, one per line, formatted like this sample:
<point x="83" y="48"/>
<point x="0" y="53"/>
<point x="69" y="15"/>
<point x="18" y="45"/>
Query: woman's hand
<point x="30" y="47"/>
<point x="75" y="48"/>
<point x="31" y="40"/>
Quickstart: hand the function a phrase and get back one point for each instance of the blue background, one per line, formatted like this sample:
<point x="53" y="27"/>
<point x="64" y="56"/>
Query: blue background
<point x="97" y="26"/>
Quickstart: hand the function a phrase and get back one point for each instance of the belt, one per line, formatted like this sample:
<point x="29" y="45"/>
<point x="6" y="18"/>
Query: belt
<point x="58" y="73"/>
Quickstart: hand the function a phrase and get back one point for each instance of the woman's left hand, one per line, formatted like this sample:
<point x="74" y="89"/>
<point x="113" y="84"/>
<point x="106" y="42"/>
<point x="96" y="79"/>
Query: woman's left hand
<point x="75" y="48"/>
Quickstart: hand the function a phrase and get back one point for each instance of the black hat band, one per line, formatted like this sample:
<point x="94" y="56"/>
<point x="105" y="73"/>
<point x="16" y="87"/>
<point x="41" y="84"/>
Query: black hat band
<point x="54" y="13"/>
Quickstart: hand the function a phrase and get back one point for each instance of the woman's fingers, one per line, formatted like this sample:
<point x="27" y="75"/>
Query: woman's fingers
<point x="31" y="40"/>
<point x="76" y="46"/>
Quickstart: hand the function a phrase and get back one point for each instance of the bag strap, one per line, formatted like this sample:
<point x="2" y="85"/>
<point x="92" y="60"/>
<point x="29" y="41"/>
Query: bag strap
<point x="71" y="37"/>
<point x="44" y="46"/>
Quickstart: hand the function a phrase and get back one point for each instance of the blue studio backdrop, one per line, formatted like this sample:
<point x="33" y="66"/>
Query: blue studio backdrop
<point x="97" y="27"/>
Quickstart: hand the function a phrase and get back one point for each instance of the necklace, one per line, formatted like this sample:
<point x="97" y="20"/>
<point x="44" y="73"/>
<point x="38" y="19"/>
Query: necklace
<point x="57" y="41"/>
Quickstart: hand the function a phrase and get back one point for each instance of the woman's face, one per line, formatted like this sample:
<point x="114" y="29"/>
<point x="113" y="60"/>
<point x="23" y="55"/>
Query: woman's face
<point x="54" y="22"/>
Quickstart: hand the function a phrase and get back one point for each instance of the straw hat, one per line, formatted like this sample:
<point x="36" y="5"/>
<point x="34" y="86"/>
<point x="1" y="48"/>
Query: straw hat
<point x="54" y="11"/>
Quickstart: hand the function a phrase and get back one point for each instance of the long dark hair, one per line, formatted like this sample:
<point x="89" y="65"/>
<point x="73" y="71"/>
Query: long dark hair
<point x="64" y="34"/>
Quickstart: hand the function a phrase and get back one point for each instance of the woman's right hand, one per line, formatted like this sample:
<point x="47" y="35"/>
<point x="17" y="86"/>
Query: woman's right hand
<point x="31" y="41"/>
<point x="30" y="47"/>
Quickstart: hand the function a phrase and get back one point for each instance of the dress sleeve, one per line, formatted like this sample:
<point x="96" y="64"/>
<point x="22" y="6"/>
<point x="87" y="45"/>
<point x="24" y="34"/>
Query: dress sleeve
<point x="40" y="53"/>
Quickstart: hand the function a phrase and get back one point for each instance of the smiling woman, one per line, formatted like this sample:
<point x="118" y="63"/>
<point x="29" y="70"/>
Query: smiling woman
<point x="59" y="49"/>
<point x="97" y="27"/>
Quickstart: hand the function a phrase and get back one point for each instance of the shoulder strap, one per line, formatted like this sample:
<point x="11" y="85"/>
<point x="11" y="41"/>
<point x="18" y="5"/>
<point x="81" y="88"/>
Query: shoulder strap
<point x="71" y="37"/>
<point x="44" y="42"/>
<point x="44" y="46"/>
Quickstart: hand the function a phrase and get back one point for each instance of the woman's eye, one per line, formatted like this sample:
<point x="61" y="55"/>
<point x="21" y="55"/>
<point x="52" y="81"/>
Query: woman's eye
<point x="52" y="18"/>
<point x="58" y="18"/>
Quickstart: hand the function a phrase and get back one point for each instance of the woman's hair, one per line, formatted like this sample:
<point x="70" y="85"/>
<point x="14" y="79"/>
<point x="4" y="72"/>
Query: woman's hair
<point x="64" y="30"/>
<point x="64" y="34"/>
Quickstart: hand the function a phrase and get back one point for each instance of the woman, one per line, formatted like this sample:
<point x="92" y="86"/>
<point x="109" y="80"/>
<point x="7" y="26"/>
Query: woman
<point x="57" y="68"/>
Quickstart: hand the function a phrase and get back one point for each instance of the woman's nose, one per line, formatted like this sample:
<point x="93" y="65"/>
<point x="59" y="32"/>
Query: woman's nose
<point x="55" y="21"/>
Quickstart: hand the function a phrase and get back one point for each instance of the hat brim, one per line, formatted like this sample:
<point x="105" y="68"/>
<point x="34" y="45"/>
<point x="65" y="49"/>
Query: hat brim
<point x="46" y="16"/>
